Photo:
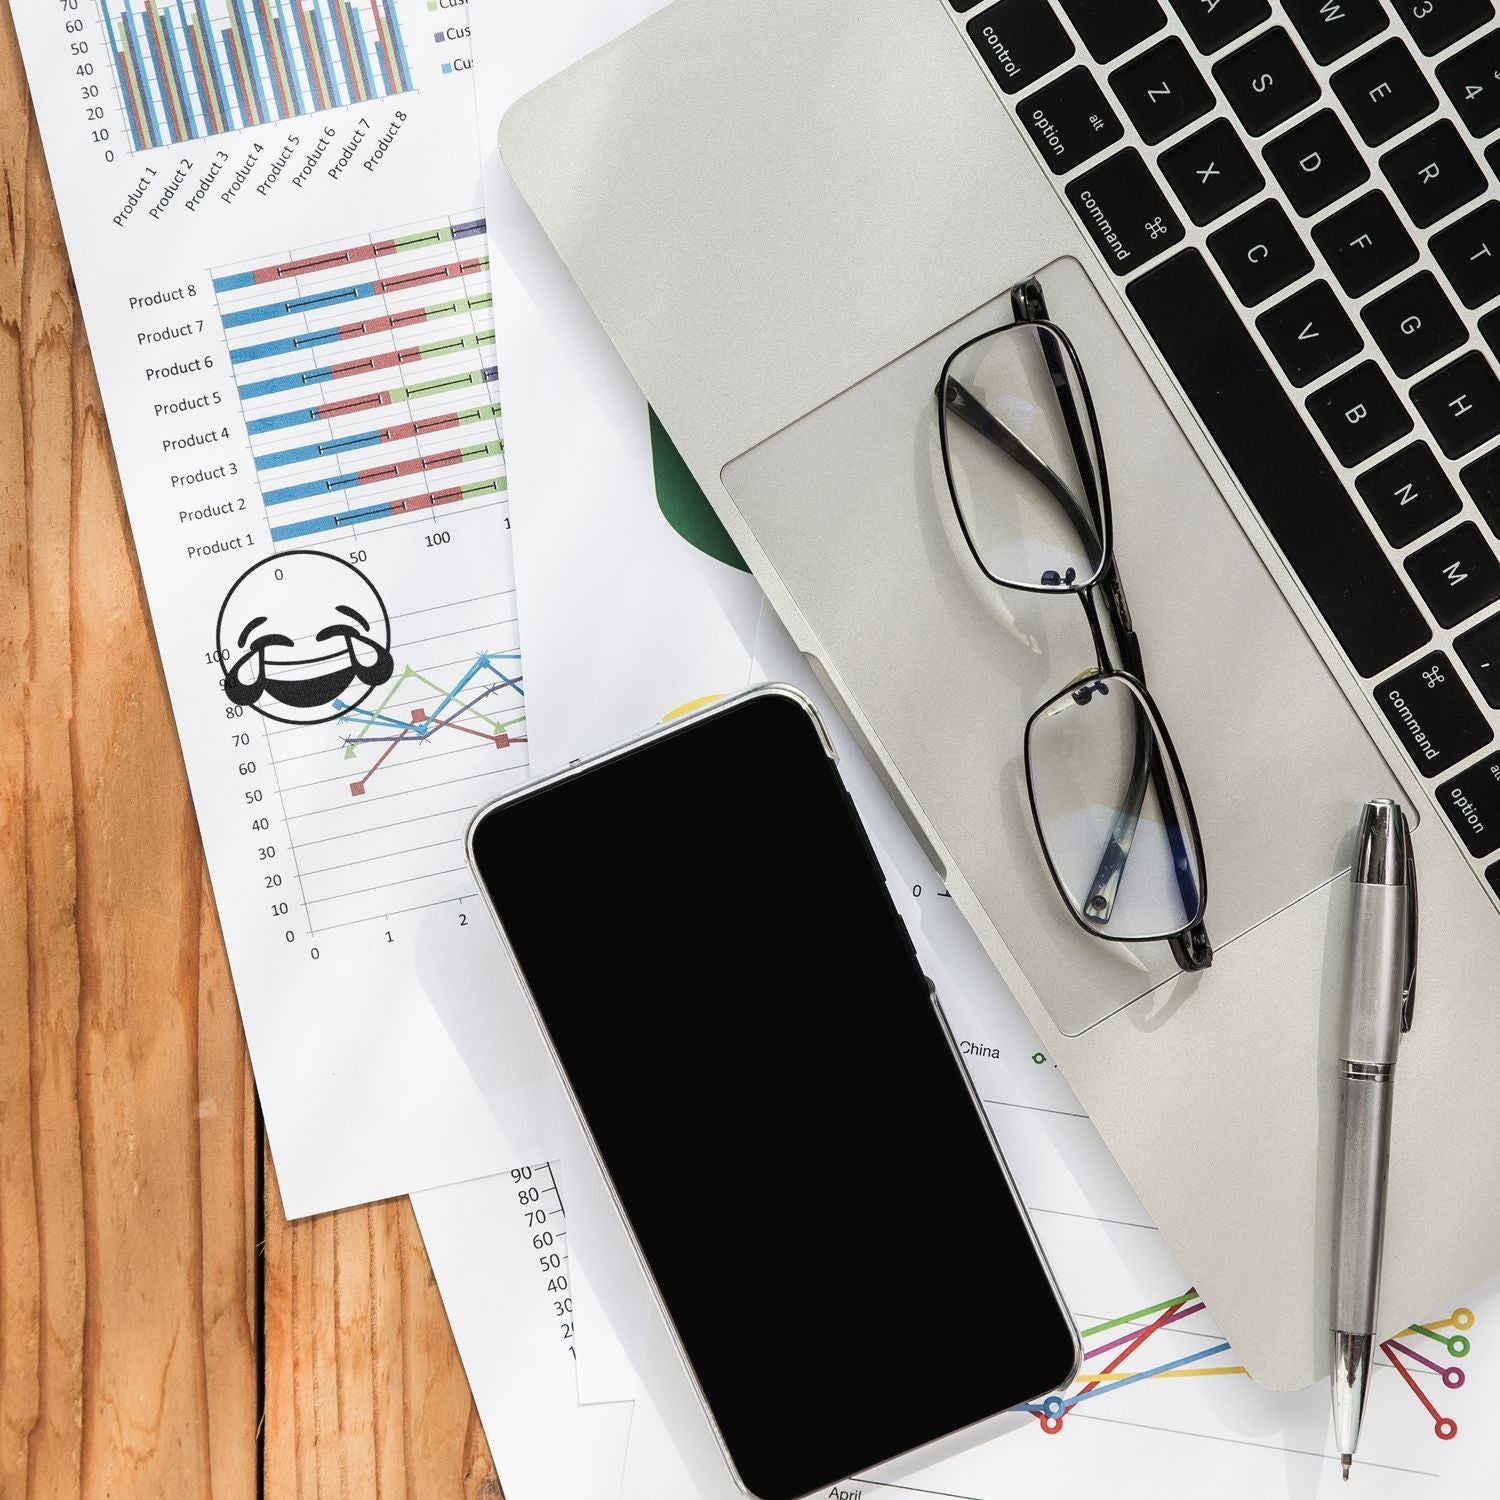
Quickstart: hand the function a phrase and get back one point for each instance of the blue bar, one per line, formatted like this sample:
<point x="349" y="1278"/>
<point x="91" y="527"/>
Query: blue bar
<point x="257" y="388"/>
<point x="174" y="56"/>
<point x="345" y="61"/>
<point x="307" y="491"/>
<point x="239" y="92"/>
<point x="242" y="25"/>
<point x="147" y="105"/>
<point x="298" y="103"/>
<point x="314" y="451"/>
<point x="293" y="345"/>
<point x="329" y="523"/>
<point x="198" y="78"/>
<point x="285" y="419"/>
<point x="125" y="90"/>
<point x="364" y="52"/>
<point x="315" y="20"/>
<point x="267" y="310"/>
<point x="393" y="25"/>
<point x="464" y="231"/>
<point x="206" y="30"/>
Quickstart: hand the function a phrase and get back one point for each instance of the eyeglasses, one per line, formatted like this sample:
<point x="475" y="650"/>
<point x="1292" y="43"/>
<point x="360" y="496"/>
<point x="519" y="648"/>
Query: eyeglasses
<point x="1025" y="470"/>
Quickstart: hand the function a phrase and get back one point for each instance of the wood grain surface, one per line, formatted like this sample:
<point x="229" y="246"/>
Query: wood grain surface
<point x="164" y="1332"/>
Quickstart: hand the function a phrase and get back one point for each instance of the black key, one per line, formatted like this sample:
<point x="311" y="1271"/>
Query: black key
<point x="1432" y="713"/>
<point x="1162" y="90"/>
<point x="1266" y="81"/>
<point x="1408" y="494"/>
<point x="1365" y="244"/>
<point x="1479" y="650"/>
<point x="962" y="5"/>
<point x="1489" y="326"/>
<point x="1384" y="92"/>
<point x="1415" y="324"/>
<point x="1471" y="79"/>
<point x="1294" y="489"/>
<point x="1330" y="28"/>
<point x="1359" y="414"/>
<point x="1316" y="162"/>
<point x="1310" y="333"/>
<point x="1260" y="252"/>
<point x="1461" y="404"/>
<point x="1469" y="253"/>
<point x="1211" y="172"/>
<point x="1433" y="173"/>
<point x="1215" y="23"/>
<point x="1457" y="574"/>
<point x="1493" y="876"/>
<point x="1439" y="23"/>
<point x="1071" y="120"/>
<point x="1110" y="27"/>
<point x="1481" y="479"/>
<point x="1022" y="41"/>
<point x="1472" y="802"/>
<point x="1126" y="214"/>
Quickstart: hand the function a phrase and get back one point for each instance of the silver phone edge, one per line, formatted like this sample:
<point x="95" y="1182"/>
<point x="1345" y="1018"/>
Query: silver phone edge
<point x="661" y="731"/>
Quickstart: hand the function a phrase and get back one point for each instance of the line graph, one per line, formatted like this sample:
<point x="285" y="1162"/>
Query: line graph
<point x="423" y="724"/>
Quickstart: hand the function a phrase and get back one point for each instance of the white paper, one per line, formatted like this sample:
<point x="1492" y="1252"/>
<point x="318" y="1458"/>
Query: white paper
<point x="498" y="1248"/>
<point x="382" y="1022"/>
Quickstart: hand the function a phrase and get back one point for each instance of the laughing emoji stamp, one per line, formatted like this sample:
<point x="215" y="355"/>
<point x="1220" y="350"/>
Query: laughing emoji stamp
<point x="303" y="638"/>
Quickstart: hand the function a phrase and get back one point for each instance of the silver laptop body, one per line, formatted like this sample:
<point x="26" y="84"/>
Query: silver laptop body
<point x="787" y="213"/>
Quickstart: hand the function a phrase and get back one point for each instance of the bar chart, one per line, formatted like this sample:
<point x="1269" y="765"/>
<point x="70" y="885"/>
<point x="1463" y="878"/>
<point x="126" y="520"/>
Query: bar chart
<point x="191" y="69"/>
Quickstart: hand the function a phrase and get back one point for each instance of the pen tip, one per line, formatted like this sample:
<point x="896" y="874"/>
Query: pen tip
<point x="1346" y="1459"/>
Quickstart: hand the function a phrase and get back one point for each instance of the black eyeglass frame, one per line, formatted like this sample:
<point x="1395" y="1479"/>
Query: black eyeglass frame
<point x="1189" y="943"/>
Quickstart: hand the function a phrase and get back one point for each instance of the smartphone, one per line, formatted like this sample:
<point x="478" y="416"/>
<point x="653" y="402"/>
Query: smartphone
<point x="779" y="1108"/>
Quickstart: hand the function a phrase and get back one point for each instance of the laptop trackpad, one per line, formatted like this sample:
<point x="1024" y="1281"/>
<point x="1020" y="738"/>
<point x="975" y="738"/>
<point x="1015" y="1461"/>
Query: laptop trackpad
<point x="851" y="506"/>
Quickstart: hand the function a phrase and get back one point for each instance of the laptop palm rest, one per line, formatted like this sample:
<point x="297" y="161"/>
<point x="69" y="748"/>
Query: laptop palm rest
<point x="851" y="503"/>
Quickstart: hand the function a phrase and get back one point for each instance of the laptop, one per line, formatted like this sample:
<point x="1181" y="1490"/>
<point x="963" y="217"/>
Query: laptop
<point x="1272" y="236"/>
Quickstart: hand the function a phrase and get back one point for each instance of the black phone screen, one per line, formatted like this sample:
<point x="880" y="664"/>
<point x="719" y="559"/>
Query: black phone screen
<point x="740" y="1014"/>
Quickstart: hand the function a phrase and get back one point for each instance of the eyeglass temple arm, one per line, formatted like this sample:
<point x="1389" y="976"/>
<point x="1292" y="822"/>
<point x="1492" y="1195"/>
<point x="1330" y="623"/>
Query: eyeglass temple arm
<point x="970" y="410"/>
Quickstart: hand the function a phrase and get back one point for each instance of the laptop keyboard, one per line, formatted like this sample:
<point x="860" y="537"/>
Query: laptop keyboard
<point x="1300" y="200"/>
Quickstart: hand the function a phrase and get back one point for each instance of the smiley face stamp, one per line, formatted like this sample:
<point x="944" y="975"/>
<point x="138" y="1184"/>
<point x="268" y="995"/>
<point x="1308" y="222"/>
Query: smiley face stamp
<point x="303" y="637"/>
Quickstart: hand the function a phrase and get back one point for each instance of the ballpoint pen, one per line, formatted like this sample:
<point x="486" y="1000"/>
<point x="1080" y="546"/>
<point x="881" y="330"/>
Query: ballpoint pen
<point x="1382" y="987"/>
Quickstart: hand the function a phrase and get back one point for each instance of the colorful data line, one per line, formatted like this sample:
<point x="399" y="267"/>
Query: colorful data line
<point x="186" y="75"/>
<point x="1090" y="1385"/>
<point x="457" y="710"/>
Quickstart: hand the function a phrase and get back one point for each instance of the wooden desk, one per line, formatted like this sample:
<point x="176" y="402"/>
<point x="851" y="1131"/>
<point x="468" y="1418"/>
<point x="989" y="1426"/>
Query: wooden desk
<point x="164" y="1332"/>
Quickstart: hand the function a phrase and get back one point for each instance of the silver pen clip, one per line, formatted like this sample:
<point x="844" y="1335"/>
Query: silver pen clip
<point x="1409" y="986"/>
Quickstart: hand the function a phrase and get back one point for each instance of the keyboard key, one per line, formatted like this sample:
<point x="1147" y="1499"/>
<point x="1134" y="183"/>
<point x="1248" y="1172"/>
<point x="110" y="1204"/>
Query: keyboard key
<point x="1365" y="244"/>
<point x="1471" y="79"/>
<point x="1260" y="252"/>
<point x="1461" y="404"/>
<point x="1124" y="211"/>
<point x="1457" y="574"/>
<point x="1433" y="173"/>
<point x="1331" y="28"/>
<point x="1021" y="41"/>
<point x="1437" y="24"/>
<point x="1384" y="92"/>
<point x="1481" y="480"/>
<point x="1490" y="327"/>
<point x="1359" y="414"/>
<point x="1415" y="324"/>
<point x="1433" y="715"/>
<point x="1162" y="90"/>
<point x="1408" y="494"/>
<point x="1215" y="23"/>
<point x="1071" y="120"/>
<point x="1310" y="333"/>
<point x="1296" y="492"/>
<point x="1479" y="650"/>
<point x="1472" y="802"/>
<point x="1211" y="172"/>
<point x="1266" y="81"/>
<point x="1469" y="253"/>
<point x="1316" y="163"/>
<point x="1110" y="27"/>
